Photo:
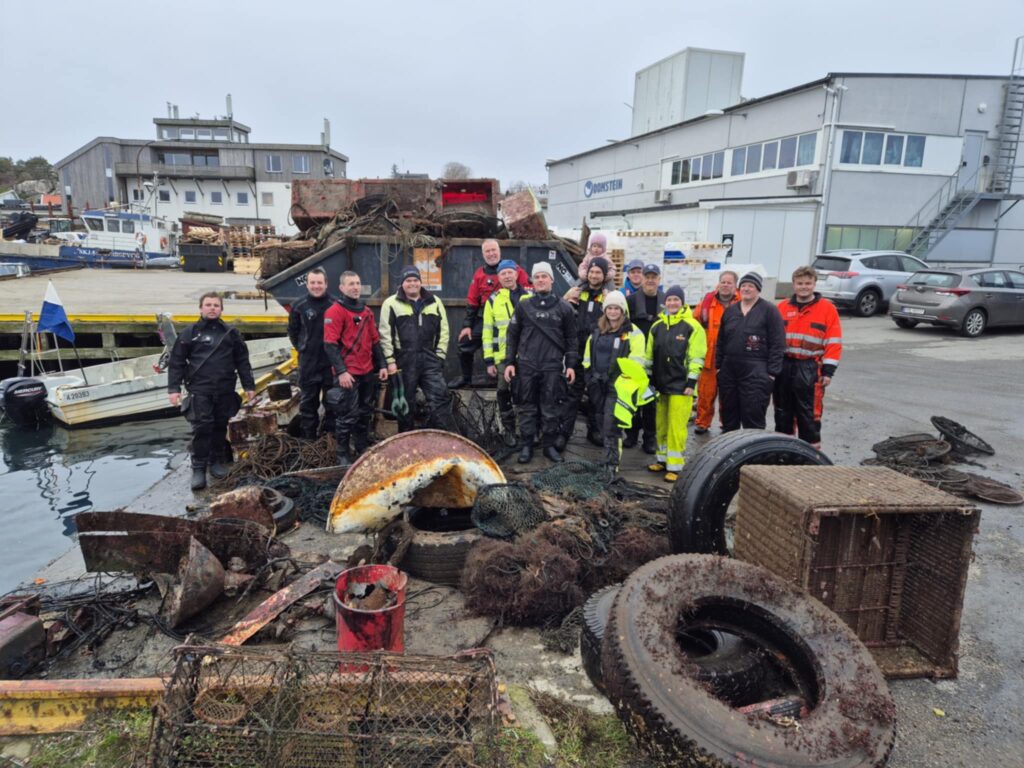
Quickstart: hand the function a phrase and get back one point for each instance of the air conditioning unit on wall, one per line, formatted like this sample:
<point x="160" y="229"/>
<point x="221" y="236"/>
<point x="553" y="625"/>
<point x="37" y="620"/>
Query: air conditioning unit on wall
<point x="800" y="179"/>
<point x="663" y="195"/>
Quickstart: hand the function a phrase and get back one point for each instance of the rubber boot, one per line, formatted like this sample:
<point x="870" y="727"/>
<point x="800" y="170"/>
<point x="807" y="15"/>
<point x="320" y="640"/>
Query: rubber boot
<point x="551" y="453"/>
<point x="508" y="434"/>
<point x="650" y="445"/>
<point x="526" y="453"/>
<point x="466" y="363"/>
<point x="219" y="471"/>
<point x="198" y="478"/>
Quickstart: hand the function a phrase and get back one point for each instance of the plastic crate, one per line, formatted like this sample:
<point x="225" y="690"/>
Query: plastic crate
<point x="886" y="552"/>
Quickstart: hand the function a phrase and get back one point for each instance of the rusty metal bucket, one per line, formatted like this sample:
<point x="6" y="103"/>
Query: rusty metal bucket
<point x="426" y="467"/>
<point x="200" y="582"/>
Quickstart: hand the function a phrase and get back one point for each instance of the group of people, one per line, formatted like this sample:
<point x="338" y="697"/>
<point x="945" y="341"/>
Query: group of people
<point x="638" y="357"/>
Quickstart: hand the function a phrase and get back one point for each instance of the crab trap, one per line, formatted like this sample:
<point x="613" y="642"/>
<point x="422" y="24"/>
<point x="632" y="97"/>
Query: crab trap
<point x="886" y="552"/>
<point x="234" y="707"/>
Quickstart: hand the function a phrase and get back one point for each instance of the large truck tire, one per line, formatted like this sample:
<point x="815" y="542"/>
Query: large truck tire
<point x="439" y="556"/>
<point x="732" y="668"/>
<point x="701" y="496"/>
<point x="850" y="722"/>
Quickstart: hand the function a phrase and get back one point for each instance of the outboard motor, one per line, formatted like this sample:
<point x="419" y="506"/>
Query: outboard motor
<point x="23" y="400"/>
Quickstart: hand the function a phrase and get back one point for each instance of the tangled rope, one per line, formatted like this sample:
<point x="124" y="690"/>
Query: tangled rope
<point x="269" y="456"/>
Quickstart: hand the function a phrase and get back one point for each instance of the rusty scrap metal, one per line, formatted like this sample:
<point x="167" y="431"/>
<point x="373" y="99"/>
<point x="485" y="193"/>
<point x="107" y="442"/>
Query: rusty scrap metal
<point x="273" y="606"/>
<point x="50" y="706"/>
<point x="250" y="502"/>
<point x="142" y="543"/>
<point x="200" y="582"/>
<point x="426" y="467"/>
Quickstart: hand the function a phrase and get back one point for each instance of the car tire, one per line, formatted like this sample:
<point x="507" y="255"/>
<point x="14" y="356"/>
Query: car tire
<point x="706" y="485"/>
<point x="902" y="322"/>
<point x="648" y="678"/>
<point x="974" y="323"/>
<point x="867" y="303"/>
<point x="438" y="556"/>
<point x="726" y="664"/>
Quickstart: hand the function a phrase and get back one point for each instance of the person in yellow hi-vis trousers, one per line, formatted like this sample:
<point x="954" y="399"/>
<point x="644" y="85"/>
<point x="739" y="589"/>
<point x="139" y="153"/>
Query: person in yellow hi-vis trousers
<point x="676" y="346"/>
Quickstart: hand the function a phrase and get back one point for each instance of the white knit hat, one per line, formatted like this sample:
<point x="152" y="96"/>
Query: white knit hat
<point x="615" y="299"/>
<point x="542" y="266"/>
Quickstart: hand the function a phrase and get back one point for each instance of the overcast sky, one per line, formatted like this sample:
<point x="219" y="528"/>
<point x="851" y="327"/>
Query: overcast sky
<point x="499" y="86"/>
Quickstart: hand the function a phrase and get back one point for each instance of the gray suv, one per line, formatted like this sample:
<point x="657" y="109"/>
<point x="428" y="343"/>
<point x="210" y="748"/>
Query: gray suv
<point x="863" y="281"/>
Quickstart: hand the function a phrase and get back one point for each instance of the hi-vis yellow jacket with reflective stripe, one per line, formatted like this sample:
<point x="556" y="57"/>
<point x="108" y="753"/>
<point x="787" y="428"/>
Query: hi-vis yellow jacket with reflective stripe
<point x="498" y="310"/>
<point x="676" y="346"/>
<point x="628" y="375"/>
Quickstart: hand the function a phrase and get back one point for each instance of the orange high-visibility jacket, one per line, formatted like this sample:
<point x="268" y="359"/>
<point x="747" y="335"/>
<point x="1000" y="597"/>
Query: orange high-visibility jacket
<point x="813" y="332"/>
<point x="709" y="314"/>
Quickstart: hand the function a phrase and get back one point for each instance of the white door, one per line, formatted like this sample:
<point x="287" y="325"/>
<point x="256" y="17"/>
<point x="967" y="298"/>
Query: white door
<point x="970" y="162"/>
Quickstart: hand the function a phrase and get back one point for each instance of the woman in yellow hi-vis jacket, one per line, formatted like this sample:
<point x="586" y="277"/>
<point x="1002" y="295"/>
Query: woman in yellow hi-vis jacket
<point x="676" y="347"/>
<point x="616" y="379"/>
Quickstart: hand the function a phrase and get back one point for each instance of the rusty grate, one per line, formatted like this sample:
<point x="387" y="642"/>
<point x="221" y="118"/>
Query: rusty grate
<point x="888" y="553"/>
<point x="232" y="707"/>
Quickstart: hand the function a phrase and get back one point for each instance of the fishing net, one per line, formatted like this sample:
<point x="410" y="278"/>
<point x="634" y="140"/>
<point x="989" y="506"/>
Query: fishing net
<point x="566" y="636"/>
<point x="573" y="479"/>
<point x="477" y="418"/>
<point x="962" y="439"/>
<point x="504" y="511"/>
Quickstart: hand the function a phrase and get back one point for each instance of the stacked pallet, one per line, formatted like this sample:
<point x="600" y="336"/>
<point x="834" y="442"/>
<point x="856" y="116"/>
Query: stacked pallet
<point x="273" y="256"/>
<point x="208" y="235"/>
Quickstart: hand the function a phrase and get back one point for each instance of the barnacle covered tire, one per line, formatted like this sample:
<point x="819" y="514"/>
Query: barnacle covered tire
<point x="700" y="497"/>
<point x="851" y="718"/>
<point x="439" y="556"/>
<point x="595" y="616"/>
<point x="727" y="664"/>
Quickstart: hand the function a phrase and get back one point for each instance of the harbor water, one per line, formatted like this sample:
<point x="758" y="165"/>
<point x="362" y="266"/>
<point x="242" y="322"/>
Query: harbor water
<point x="49" y="475"/>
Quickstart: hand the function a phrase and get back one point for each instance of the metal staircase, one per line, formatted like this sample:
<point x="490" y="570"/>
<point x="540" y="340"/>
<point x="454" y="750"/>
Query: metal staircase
<point x="956" y="198"/>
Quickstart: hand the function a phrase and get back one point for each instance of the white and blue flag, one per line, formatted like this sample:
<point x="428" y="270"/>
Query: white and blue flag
<point x="52" y="316"/>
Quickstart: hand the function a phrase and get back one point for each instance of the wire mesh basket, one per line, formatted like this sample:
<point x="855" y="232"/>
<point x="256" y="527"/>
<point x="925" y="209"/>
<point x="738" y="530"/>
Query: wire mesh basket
<point x="230" y="707"/>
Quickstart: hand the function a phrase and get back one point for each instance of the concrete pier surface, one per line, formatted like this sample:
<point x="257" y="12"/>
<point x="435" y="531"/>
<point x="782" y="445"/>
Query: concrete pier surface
<point x="135" y="292"/>
<point x="890" y="382"/>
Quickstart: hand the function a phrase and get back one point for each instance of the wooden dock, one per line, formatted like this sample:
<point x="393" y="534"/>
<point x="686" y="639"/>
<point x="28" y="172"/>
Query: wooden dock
<point x="113" y="312"/>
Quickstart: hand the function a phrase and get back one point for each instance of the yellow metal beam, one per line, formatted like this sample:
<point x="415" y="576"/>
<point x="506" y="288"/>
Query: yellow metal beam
<point x="50" y="706"/>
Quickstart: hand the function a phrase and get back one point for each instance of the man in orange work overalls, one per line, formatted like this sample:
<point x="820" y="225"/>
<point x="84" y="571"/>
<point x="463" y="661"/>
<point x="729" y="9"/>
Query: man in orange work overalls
<point x="709" y="313"/>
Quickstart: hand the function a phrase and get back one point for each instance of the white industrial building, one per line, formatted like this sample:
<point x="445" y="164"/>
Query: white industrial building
<point x="922" y="163"/>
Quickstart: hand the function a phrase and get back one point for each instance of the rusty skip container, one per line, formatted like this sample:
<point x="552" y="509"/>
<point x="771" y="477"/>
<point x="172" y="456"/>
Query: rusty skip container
<point x="886" y="552"/>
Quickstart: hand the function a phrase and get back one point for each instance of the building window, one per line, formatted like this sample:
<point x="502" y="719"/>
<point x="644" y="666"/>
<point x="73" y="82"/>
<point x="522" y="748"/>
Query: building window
<point x="221" y="134"/>
<point x="914" y="157"/>
<point x="872" y="153"/>
<point x="168" y="133"/>
<point x="328" y="168"/>
<point x="273" y="164"/>
<point x="267" y="198"/>
<point x="739" y="160"/>
<point x="164" y="195"/>
<point x="188" y="133"/>
<point x="893" y="149"/>
<point x="868" y="238"/>
<point x="805" y="154"/>
<point x="787" y="151"/>
<point x="753" y="158"/>
<point x="850" y="153"/>
<point x="695" y="169"/>
<point x="300" y="163"/>
<point x="770" y="156"/>
<point x="206" y="158"/>
<point x="190" y="195"/>
<point x="217" y="198"/>
<point x="718" y="165"/>
<point x="701" y="168"/>
<point x="138" y="195"/>
<point x="204" y="134"/>
<point x="242" y="198"/>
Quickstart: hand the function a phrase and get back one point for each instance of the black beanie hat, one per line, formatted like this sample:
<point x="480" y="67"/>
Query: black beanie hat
<point x="751" y="277"/>
<point x="601" y="263"/>
<point x="410" y="272"/>
<point x="677" y="291"/>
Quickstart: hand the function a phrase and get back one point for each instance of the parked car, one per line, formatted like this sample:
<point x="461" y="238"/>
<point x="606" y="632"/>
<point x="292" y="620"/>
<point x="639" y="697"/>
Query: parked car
<point x="969" y="300"/>
<point x="863" y="281"/>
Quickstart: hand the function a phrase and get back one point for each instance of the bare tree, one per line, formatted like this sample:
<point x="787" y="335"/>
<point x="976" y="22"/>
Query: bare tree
<point x="456" y="170"/>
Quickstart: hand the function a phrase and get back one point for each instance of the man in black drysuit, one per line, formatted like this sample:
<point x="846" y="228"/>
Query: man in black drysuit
<point x="748" y="356"/>
<point x="306" y="331"/>
<point x="205" y="358"/>
<point x="542" y="355"/>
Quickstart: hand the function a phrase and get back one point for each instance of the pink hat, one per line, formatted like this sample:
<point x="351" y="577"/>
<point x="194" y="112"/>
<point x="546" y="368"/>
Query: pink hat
<point x="599" y="238"/>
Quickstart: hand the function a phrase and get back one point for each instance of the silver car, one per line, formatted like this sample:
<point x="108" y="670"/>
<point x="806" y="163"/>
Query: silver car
<point x="969" y="300"/>
<point x="863" y="281"/>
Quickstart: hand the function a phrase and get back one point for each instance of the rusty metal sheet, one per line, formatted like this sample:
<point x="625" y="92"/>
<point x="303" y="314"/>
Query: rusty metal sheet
<point x="429" y="467"/>
<point x="273" y="606"/>
<point x="200" y="582"/>
<point x="142" y="543"/>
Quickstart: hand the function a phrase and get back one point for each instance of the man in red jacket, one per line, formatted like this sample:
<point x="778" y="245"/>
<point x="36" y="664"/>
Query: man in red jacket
<point x="352" y="344"/>
<point x="483" y="284"/>
<point x="814" y="344"/>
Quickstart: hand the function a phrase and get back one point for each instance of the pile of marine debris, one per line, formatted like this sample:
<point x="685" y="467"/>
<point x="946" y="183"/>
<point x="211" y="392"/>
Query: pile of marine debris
<point x="422" y="213"/>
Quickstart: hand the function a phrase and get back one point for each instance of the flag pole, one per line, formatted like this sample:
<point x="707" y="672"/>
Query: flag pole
<point x="56" y="345"/>
<point x="80" y="366"/>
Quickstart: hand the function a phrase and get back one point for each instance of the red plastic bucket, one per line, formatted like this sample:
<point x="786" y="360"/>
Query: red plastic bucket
<point x="363" y="630"/>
